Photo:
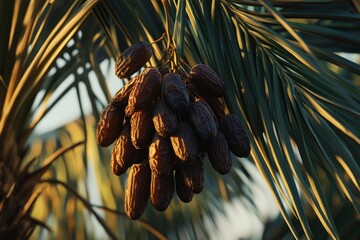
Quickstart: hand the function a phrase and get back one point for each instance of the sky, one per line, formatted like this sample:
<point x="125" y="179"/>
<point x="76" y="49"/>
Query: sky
<point x="67" y="109"/>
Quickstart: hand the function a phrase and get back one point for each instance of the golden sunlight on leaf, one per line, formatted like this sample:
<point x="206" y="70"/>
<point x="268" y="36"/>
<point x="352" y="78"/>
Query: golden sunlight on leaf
<point x="291" y="73"/>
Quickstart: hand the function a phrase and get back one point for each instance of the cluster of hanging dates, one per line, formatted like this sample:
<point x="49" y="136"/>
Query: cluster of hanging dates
<point x="164" y="123"/>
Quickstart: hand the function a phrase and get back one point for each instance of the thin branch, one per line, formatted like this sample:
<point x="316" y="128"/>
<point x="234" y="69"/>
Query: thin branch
<point x="39" y="223"/>
<point x="159" y="39"/>
<point x="146" y="225"/>
<point x="282" y="21"/>
<point x="167" y="27"/>
<point x="85" y="202"/>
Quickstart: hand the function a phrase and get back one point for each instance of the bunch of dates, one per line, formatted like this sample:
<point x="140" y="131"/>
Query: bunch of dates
<point x="164" y="124"/>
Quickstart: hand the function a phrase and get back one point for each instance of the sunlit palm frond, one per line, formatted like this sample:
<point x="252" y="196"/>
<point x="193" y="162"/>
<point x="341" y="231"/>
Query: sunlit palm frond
<point x="34" y="36"/>
<point x="343" y="214"/>
<point x="292" y="92"/>
<point x="286" y="77"/>
<point x="296" y="95"/>
<point x="292" y="97"/>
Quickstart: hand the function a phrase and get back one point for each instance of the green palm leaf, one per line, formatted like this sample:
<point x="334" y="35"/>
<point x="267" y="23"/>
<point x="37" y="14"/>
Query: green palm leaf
<point x="286" y="94"/>
<point x="297" y="97"/>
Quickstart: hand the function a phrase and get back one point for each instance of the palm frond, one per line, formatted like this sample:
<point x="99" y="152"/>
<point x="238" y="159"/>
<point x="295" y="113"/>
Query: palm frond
<point x="293" y="95"/>
<point x="286" y="77"/>
<point x="284" y="87"/>
<point x="34" y="34"/>
<point x="282" y="83"/>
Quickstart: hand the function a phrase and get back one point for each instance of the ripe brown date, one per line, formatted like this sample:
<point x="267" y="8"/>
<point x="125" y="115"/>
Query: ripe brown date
<point x="109" y="125"/>
<point x="132" y="59"/>
<point x="207" y="80"/>
<point x="193" y="175"/>
<point x="184" y="142"/>
<point x="219" y="154"/>
<point x="122" y="96"/>
<point x="146" y="88"/>
<point x="164" y="119"/>
<point x="235" y="134"/>
<point x="137" y="190"/>
<point x="124" y="153"/>
<point x="142" y="128"/>
<point x="175" y="92"/>
<point x="161" y="155"/>
<point x="161" y="191"/>
<point x="116" y="168"/>
<point x="182" y="190"/>
<point x="203" y="119"/>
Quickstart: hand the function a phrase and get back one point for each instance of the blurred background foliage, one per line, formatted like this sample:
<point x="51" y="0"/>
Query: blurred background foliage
<point x="287" y="80"/>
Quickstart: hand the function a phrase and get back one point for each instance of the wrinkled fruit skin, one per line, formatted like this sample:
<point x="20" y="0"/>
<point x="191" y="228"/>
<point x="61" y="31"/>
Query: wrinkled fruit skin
<point x="203" y="119"/>
<point x="142" y="129"/>
<point x="137" y="190"/>
<point x="122" y="96"/>
<point x="164" y="119"/>
<point x="182" y="190"/>
<point x="124" y="153"/>
<point x="116" y="168"/>
<point x="132" y="59"/>
<point x="129" y="110"/>
<point x="161" y="155"/>
<point x="219" y="154"/>
<point x="197" y="91"/>
<point x="184" y="142"/>
<point x="175" y="92"/>
<point x="194" y="175"/>
<point x="145" y="90"/>
<point x="161" y="191"/>
<point x="235" y="134"/>
<point x="109" y="125"/>
<point x="207" y="80"/>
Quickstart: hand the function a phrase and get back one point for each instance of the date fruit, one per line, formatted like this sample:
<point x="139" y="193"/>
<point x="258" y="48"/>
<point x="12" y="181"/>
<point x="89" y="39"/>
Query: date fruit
<point x="235" y="134"/>
<point x="142" y="128"/>
<point x="219" y="154"/>
<point x="164" y="119"/>
<point x="182" y="190"/>
<point x="175" y="92"/>
<point x="203" y="119"/>
<point x="146" y="88"/>
<point x="193" y="175"/>
<point x="122" y="96"/>
<point x="124" y="153"/>
<point x="161" y="191"/>
<point x="109" y="125"/>
<point x="161" y="155"/>
<point x="184" y="142"/>
<point x="207" y="80"/>
<point x="132" y="59"/>
<point x="137" y="190"/>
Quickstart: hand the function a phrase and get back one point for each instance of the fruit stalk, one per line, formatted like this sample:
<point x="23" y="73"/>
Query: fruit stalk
<point x="170" y="45"/>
